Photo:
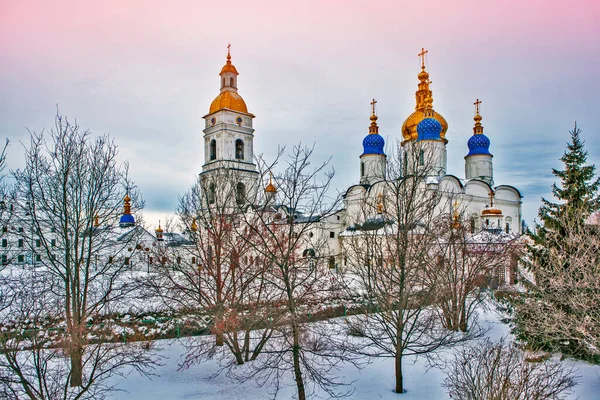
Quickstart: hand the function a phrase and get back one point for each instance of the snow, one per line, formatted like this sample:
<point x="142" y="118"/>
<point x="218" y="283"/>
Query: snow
<point x="375" y="381"/>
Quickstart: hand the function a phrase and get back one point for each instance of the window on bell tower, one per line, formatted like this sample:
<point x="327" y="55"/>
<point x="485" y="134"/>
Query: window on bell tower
<point x="239" y="149"/>
<point x="213" y="150"/>
<point x="240" y="193"/>
<point x="362" y="169"/>
<point x="231" y="82"/>
<point x="421" y="157"/>
<point x="211" y="193"/>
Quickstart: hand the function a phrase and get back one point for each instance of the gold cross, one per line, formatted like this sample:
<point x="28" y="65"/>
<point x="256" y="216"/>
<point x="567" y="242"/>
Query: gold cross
<point x="477" y="103"/>
<point x="491" y="198"/>
<point x="228" y="47"/>
<point x="422" y="55"/>
<point x="373" y="106"/>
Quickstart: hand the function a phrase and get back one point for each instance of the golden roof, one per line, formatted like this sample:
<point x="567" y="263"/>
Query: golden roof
<point x="270" y="187"/>
<point x="491" y="211"/>
<point x="424" y="98"/>
<point x="229" y="100"/>
<point x="194" y="226"/>
<point x="159" y="229"/>
<point x="228" y="67"/>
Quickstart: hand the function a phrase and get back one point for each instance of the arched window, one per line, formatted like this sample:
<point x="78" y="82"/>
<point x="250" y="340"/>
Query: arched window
<point x="223" y="85"/>
<point x="239" y="149"/>
<point x="240" y="193"/>
<point x="362" y="169"/>
<point x="421" y="157"/>
<point x="231" y="82"/>
<point x="213" y="150"/>
<point x="211" y="193"/>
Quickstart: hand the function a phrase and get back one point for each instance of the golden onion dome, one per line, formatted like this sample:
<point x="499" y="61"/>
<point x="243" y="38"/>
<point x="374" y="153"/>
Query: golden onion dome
<point x="127" y="199"/>
<point x="159" y="229"/>
<point x="228" y="67"/>
<point x="491" y="211"/>
<point x="270" y="187"/>
<point x="424" y="98"/>
<point x="228" y="100"/>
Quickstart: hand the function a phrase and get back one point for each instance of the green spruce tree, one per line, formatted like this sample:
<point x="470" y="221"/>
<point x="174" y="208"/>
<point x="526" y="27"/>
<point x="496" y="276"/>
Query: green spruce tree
<point x="560" y="310"/>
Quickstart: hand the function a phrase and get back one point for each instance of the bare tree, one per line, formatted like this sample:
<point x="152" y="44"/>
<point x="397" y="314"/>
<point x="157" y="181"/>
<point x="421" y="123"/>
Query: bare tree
<point x="286" y="240"/>
<point x="69" y="199"/>
<point x="34" y="365"/>
<point x="214" y="271"/>
<point x="389" y="252"/>
<point x="500" y="371"/>
<point x="465" y="265"/>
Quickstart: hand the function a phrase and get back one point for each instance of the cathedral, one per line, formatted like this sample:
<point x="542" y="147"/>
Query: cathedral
<point x="481" y="203"/>
<point x="228" y="144"/>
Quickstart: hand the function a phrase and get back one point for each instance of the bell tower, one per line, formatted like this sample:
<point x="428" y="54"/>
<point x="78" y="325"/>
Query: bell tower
<point x="229" y="136"/>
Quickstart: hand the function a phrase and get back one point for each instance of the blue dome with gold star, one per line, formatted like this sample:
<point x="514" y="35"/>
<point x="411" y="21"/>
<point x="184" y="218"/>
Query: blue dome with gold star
<point x="429" y="129"/>
<point x="479" y="144"/>
<point x="373" y="143"/>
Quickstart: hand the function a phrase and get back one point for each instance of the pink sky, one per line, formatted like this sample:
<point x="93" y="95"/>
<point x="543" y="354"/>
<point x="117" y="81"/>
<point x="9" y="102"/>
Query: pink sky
<point x="146" y="71"/>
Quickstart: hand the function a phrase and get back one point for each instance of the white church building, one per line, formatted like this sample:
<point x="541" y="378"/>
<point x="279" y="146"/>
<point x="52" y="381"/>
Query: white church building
<point x="228" y="144"/>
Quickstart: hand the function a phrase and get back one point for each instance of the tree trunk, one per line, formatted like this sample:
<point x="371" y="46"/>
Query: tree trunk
<point x="219" y="339"/>
<point x="76" y="366"/>
<point x="463" y="317"/>
<point x="296" y="359"/>
<point x="399" y="386"/>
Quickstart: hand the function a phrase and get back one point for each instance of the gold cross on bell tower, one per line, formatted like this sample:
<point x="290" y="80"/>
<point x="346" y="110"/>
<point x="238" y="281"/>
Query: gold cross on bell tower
<point x="422" y="55"/>
<point x="476" y="104"/>
<point x="373" y="106"/>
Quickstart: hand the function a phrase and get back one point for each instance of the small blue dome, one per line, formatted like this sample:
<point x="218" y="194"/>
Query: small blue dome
<point x="126" y="220"/>
<point x="429" y="129"/>
<point x="479" y="144"/>
<point x="373" y="143"/>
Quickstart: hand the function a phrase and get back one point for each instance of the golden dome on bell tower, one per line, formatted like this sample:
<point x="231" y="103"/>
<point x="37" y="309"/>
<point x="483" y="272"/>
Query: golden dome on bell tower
<point x="424" y="98"/>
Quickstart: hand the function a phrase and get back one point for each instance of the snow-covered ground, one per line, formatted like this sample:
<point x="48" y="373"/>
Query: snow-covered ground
<point x="375" y="381"/>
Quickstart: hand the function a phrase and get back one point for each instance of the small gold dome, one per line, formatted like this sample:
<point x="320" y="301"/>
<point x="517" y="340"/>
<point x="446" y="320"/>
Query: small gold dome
<point x="194" y="226"/>
<point x="491" y="211"/>
<point x="270" y="187"/>
<point x="229" y="67"/>
<point x="127" y="199"/>
<point x="228" y="100"/>
<point x="159" y="229"/>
